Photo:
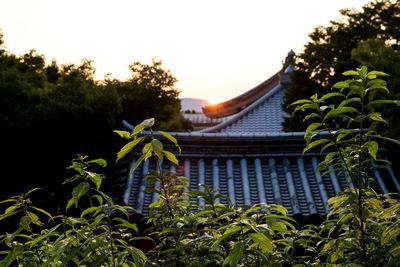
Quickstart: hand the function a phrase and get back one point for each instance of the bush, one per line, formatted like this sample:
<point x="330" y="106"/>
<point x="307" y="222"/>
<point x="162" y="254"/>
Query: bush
<point x="362" y="227"/>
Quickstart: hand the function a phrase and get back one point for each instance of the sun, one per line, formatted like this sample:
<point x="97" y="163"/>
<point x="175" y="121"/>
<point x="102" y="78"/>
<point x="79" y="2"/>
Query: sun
<point x="213" y="99"/>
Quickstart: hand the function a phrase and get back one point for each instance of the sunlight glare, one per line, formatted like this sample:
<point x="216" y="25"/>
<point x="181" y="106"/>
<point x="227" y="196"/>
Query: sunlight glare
<point x="213" y="99"/>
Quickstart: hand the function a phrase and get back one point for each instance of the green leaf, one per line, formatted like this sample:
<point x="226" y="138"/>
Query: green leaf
<point x="123" y="134"/>
<point x="171" y="138"/>
<point x="99" y="218"/>
<point x="341" y="85"/>
<point x="327" y="146"/>
<point x="312" y="127"/>
<point x="96" y="180"/>
<point x="127" y="224"/>
<point x="312" y="134"/>
<point x="100" y="162"/>
<point x="377" y="87"/>
<point x="71" y="202"/>
<point x="376" y="116"/>
<point x="372" y="147"/>
<point x="376" y="102"/>
<point x="377" y="73"/>
<point x="80" y="190"/>
<point x="235" y="255"/>
<point x="376" y="81"/>
<point x="105" y="196"/>
<point x="157" y="148"/>
<point x="98" y="260"/>
<point x="343" y="135"/>
<point x="138" y="129"/>
<point x="262" y="241"/>
<point x="312" y="115"/>
<point x="148" y="123"/>
<point x="91" y="210"/>
<point x="42" y="211"/>
<point x="349" y="101"/>
<point x="350" y="72"/>
<point x="9" y="258"/>
<point x="137" y="255"/>
<point x="387" y="139"/>
<point x="137" y="163"/>
<point x="59" y="246"/>
<point x="8" y="200"/>
<point x="390" y="233"/>
<point x="8" y="214"/>
<point x="69" y="180"/>
<point x="389" y="212"/>
<point x="315" y="143"/>
<point x="146" y="147"/>
<point x="25" y="222"/>
<point x="356" y="90"/>
<point x="99" y="199"/>
<point x="313" y="106"/>
<point x="301" y="101"/>
<point x="324" y="97"/>
<point x="339" y="112"/>
<point x="363" y="72"/>
<point x="171" y="157"/>
<point x="31" y="191"/>
<point x="128" y="147"/>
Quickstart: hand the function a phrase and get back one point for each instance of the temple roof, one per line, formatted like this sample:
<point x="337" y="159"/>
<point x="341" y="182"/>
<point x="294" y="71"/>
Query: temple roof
<point x="244" y="100"/>
<point x="250" y="159"/>
<point x="250" y="169"/>
<point x="262" y="116"/>
<point x="240" y="102"/>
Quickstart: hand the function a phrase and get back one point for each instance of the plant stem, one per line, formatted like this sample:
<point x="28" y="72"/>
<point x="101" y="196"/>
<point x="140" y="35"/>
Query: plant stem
<point x="110" y="233"/>
<point x="361" y="185"/>
<point x="163" y="185"/>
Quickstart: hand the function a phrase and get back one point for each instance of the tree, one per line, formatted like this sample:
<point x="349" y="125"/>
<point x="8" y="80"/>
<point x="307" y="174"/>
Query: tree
<point x="151" y="92"/>
<point x="328" y="54"/>
<point x="51" y="113"/>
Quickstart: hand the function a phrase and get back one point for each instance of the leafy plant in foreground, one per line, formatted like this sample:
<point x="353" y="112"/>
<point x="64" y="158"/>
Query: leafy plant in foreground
<point x="96" y="238"/>
<point x="192" y="228"/>
<point x="357" y="231"/>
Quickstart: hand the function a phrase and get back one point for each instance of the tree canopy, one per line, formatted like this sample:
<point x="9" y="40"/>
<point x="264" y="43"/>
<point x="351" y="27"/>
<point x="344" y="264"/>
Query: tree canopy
<point x="49" y="113"/>
<point x="330" y="52"/>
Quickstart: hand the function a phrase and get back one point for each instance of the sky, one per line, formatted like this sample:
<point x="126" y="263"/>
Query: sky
<point x="216" y="49"/>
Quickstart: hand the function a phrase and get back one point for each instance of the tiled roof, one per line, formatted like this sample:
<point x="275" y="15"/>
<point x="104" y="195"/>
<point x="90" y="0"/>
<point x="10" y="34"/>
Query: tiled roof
<point x="242" y="101"/>
<point x="200" y="118"/>
<point x="264" y="115"/>
<point x="288" y="180"/>
<point x="249" y="158"/>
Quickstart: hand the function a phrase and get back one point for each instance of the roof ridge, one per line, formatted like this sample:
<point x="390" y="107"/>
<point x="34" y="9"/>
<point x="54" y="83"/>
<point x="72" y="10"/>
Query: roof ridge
<point x="244" y="112"/>
<point x="236" y="101"/>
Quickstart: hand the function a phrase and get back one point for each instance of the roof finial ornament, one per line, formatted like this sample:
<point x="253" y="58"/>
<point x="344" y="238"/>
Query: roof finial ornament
<point x="289" y="60"/>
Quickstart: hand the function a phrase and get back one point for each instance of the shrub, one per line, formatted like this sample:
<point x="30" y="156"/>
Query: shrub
<point x="362" y="227"/>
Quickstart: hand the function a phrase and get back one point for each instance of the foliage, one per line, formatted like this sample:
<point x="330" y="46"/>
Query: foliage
<point x="151" y="92"/>
<point x="193" y="228"/>
<point x="329" y="52"/>
<point x="362" y="226"/>
<point x="375" y="54"/>
<point x="96" y="238"/>
<point x="50" y="113"/>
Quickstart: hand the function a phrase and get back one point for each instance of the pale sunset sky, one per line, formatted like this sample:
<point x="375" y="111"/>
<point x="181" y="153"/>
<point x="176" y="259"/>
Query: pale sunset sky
<point x="215" y="48"/>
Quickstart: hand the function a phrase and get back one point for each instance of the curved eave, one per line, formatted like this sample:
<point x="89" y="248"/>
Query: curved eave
<point x="236" y="144"/>
<point x="239" y="115"/>
<point x="242" y="101"/>
<point x="222" y="136"/>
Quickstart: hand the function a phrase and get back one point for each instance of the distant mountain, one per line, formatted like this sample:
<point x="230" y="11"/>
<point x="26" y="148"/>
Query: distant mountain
<point x="193" y="104"/>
